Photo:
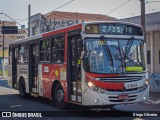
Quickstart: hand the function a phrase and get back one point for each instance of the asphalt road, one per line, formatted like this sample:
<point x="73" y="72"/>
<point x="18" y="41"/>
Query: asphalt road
<point x="11" y="101"/>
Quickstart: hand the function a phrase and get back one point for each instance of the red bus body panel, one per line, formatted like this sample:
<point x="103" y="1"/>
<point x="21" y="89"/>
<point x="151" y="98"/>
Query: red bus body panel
<point x="104" y="85"/>
<point x="54" y="70"/>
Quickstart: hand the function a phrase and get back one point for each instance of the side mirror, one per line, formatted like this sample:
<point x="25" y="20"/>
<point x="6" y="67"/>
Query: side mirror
<point x="82" y="55"/>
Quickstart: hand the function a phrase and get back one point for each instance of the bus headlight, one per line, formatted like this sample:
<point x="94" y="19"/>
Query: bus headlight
<point x="144" y="86"/>
<point x="94" y="87"/>
<point x="90" y="84"/>
<point x="102" y="90"/>
<point x="141" y="88"/>
<point x="147" y="82"/>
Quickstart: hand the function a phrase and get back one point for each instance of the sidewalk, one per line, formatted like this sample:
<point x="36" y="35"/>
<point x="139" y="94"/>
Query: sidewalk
<point x="4" y="83"/>
<point x="154" y="98"/>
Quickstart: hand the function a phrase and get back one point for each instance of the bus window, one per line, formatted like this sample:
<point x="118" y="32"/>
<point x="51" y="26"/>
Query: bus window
<point x="21" y="54"/>
<point x="58" y="49"/>
<point x="45" y="50"/>
<point x="26" y="53"/>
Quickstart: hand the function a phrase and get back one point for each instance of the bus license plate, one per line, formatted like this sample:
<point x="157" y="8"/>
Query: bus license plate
<point x="131" y="85"/>
<point x="123" y="97"/>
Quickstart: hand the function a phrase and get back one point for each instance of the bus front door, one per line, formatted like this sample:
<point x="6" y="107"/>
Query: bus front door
<point x="33" y="68"/>
<point x="74" y="69"/>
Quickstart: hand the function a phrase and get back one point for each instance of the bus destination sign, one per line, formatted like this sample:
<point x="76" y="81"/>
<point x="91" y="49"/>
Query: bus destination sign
<point x="113" y="29"/>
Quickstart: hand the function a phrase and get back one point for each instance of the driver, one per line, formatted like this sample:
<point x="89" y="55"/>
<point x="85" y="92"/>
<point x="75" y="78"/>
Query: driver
<point x="96" y="58"/>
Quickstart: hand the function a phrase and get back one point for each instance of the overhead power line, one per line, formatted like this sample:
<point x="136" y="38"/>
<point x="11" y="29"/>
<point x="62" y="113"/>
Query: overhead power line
<point x="152" y="1"/>
<point x="63" y="5"/>
<point x="13" y="20"/>
<point x="136" y="13"/>
<point x="118" y="7"/>
<point x="55" y="8"/>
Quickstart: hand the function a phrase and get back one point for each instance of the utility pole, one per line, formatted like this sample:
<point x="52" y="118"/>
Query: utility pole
<point x="3" y="69"/>
<point x="143" y="23"/>
<point x="29" y="20"/>
<point x="143" y="20"/>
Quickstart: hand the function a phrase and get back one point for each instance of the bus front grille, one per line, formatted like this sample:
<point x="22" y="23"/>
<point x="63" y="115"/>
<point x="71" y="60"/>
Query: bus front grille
<point x="127" y="90"/>
<point x="121" y="79"/>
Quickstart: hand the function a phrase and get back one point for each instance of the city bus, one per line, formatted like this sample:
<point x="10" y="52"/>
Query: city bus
<point x="89" y="64"/>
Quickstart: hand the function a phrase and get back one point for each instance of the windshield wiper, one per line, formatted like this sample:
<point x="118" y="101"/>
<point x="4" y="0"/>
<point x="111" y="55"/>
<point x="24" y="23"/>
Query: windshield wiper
<point x="107" y="51"/>
<point x="129" y="44"/>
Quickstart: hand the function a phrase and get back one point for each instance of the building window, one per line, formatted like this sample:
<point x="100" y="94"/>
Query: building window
<point x="58" y="49"/>
<point x="45" y="50"/>
<point x="148" y="57"/>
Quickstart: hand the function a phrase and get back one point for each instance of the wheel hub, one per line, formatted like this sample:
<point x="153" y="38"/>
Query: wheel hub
<point x="60" y="95"/>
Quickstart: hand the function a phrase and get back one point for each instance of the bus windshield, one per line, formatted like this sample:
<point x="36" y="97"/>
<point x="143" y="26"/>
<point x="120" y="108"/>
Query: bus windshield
<point x="107" y="56"/>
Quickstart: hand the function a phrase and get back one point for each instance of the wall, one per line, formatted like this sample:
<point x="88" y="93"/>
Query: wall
<point x="154" y="83"/>
<point x="22" y="33"/>
<point x="40" y="24"/>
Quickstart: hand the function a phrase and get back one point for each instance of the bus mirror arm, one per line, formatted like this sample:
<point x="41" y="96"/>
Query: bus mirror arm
<point x="82" y="55"/>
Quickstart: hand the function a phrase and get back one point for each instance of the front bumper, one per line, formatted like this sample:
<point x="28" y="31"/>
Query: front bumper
<point x="92" y="98"/>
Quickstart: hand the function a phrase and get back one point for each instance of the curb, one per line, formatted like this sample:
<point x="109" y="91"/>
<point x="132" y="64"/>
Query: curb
<point x="154" y="102"/>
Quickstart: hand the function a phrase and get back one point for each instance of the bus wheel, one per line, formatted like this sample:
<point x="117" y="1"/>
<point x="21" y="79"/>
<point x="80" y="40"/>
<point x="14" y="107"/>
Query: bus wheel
<point x="59" y="97"/>
<point x="22" y="90"/>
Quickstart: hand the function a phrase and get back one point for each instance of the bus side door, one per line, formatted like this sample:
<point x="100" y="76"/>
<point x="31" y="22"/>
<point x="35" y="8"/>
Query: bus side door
<point x="14" y="67"/>
<point x="33" y="68"/>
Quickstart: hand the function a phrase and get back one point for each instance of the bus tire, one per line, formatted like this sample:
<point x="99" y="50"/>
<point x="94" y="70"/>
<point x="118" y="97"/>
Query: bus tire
<point x="59" y="97"/>
<point x="22" y="89"/>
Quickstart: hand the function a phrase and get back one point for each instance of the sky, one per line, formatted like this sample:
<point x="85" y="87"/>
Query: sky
<point x="18" y="9"/>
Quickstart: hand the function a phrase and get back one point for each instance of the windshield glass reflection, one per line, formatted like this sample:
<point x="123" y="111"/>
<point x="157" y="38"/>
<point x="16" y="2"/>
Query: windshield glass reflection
<point x="114" y="55"/>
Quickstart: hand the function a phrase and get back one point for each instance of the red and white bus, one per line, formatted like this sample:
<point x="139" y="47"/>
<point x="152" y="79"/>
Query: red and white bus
<point x="90" y="64"/>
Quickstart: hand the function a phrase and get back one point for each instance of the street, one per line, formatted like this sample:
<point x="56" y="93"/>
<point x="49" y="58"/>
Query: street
<point x="10" y="101"/>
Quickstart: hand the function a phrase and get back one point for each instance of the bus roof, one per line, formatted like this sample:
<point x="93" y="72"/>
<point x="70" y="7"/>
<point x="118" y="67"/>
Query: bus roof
<point x="47" y="34"/>
<point x="65" y="29"/>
